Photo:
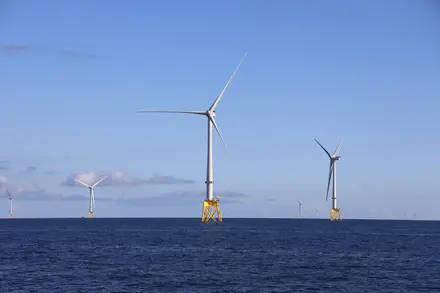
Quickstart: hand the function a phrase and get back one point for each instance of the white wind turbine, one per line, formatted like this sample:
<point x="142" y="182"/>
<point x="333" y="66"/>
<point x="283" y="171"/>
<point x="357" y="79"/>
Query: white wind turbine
<point x="335" y="212"/>
<point x="210" y="115"/>
<point x="10" y="203"/>
<point x="300" y="209"/>
<point x="92" y="194"/>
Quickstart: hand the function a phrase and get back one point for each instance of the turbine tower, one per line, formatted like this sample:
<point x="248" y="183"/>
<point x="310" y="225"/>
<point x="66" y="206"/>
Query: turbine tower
<point x="335" y="213"/>
<point x="210" y="210"/>
<point x="300" y="209"/>
<point x="92" y="195"/>
<point x="10" y="204"/>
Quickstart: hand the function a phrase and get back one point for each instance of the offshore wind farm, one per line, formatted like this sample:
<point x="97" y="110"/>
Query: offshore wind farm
<point x="276" y="104"/>
<point x="215" y="170"/>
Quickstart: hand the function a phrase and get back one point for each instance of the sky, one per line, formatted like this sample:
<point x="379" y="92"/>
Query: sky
<point x="73" y="74"/>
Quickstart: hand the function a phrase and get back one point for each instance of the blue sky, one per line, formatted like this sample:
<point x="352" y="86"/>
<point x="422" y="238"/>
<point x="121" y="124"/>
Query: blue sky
<point x="73" y="74"/>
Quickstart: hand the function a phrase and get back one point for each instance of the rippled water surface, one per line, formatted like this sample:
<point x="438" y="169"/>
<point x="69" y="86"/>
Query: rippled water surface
<point x="239" y="255"/>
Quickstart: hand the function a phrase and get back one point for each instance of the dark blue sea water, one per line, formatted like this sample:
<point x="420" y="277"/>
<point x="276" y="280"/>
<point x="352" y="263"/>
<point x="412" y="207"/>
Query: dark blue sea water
<point x="239" y="255"/>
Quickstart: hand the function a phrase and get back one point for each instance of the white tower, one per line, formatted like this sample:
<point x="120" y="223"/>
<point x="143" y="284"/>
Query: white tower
<point x="300" y="209"/>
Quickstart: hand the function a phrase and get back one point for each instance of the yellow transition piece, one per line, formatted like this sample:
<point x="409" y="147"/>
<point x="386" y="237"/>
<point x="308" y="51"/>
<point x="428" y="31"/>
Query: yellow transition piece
<point x="211" y="211"/>
<point x="335" y="215"/>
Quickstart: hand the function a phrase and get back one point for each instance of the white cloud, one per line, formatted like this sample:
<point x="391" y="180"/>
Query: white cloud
<point x="3" y="181"/>
<point x="119" y="178"/>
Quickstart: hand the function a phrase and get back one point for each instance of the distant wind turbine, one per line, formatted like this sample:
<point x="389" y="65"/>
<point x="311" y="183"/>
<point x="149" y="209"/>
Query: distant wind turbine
<point x="335" y="212"/>
<point x="317" y="212"/>
<point x="210" y="205"/>
<point x="300" y="209"/>
<point x="10" y="203"/>
<point x="91" y="195"/>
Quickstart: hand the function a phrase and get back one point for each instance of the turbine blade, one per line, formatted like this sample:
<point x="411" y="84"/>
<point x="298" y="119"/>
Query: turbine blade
<point x="227" y="84"/>
<point x="99" y="181"/>
<point x="173" y="112"/>
<point x="9" y="195"/>
<point x="323" y="148"/>
<point x="218" y="131"/>
<point x="337" y="148"/>
<point x="330" y="173"/>
<point x="80" y="182"/>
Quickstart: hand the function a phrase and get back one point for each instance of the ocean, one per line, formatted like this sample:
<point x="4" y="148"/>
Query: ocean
<point x="238" y="255"/>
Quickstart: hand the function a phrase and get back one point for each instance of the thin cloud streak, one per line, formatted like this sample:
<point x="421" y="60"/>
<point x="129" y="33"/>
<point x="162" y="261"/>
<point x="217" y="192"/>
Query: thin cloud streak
<point x="4" y="165"/>
<point x="79" y="55"/>
<point x="14" y="49"/>
<point x="183" y="198"/>
<point x="29" y="170"/>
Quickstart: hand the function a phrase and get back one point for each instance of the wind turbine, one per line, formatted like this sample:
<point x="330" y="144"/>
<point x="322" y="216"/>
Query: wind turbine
<point x="335" y="213"/>
<point x="300" y="209"/>
<point x="210" y="209"/>
<point x="317" y="212"/>
<point x="92" y="194"/>
<point x="10" y="203"/>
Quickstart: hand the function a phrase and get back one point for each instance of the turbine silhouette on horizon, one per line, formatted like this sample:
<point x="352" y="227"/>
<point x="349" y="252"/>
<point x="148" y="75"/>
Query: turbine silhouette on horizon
<point x="335" y="213"/>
